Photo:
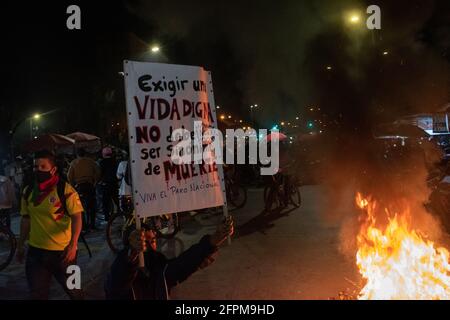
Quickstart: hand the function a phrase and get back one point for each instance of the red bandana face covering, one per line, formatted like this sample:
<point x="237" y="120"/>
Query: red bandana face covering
<point x="42" y="190"/>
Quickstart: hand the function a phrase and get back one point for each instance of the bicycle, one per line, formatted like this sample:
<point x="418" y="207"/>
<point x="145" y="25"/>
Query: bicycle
<point x="8" y="245"/>
<point x="279" y="193"/>
<point x="166" y="226"/>
<point x="236" y="193"/>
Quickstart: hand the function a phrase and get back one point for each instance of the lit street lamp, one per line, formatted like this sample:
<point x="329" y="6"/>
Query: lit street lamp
<point x="354" y="19"/>
<point x="36" y="116"/>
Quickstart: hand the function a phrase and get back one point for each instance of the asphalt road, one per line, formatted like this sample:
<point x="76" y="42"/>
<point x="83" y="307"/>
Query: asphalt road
<point x="285" y="255"/>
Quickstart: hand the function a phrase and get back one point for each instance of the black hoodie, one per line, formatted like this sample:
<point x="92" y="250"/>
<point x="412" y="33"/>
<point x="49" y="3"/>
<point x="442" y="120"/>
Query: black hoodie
<point x="126" y="281"/>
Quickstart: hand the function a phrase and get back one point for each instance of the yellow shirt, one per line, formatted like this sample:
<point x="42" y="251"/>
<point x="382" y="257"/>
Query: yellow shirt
<point x="50" y="229"/>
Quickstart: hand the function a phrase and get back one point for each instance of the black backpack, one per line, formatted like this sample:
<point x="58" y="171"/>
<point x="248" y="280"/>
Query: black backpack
<point x="60" y="190"/>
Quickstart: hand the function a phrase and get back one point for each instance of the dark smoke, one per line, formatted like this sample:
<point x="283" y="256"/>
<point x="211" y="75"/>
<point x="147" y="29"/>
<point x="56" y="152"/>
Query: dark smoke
<point x="275" y="53"/>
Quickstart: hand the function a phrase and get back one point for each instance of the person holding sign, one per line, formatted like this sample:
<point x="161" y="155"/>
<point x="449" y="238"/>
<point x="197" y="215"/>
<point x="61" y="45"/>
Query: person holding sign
<point x="154" y="282"/>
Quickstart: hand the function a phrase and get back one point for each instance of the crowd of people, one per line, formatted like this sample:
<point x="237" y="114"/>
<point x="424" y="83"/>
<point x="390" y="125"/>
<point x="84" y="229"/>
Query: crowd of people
<point x="60" y="197"/>
<point x="100" y="180"/>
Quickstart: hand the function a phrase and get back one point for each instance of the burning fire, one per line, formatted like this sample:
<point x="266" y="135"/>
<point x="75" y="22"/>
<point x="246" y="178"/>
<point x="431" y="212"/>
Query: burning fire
<point x="397" y="262"/>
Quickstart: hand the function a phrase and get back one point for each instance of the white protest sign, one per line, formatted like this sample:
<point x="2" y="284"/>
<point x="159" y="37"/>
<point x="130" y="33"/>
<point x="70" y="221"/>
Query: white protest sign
<point x="161" y="98"/>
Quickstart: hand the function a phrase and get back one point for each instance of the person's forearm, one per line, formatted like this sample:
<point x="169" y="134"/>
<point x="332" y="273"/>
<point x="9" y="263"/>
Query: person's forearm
<point x="24" y="230"/>
<point x="76" y="227"/>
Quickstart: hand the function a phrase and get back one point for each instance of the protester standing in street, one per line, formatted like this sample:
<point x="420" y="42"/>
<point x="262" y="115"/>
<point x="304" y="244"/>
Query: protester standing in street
<point x="127" y="281"/>
<point x="84" y="174"/>
<point x="124" y="176"/>
<point x="107" y="191"/>
<point x="16" y="173"/>
<point x="51" y="221"/>
<point x="7" y="200"/>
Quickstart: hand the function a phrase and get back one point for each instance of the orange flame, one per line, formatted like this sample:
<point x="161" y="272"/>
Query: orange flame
<point x="397" y="262"/>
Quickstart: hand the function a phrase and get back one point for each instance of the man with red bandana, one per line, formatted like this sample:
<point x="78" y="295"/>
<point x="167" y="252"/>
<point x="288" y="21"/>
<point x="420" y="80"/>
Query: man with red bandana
<point x="51" y="230"/>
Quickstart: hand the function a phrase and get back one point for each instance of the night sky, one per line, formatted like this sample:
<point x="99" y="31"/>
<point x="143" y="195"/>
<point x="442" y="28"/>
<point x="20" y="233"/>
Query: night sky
<point x="271" y="53"/>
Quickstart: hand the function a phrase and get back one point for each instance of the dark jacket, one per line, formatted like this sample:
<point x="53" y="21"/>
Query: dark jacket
<point x="108" y="170"/>
<point x="126" y="282"/>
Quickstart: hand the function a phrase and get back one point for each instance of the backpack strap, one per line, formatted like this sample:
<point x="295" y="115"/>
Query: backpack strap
<point x="27" y="191"/>
<point x="128" y="174"/>
<point x="61" y="191"/>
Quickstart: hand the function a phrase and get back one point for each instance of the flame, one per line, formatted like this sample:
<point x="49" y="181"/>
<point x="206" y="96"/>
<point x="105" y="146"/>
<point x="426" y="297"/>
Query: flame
<point x="397" y="262"/>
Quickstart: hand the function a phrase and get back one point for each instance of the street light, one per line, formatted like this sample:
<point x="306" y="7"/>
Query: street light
<point x="36" y="116"/>
<point x="354" y="19"/>
<point x="155" y="49"/>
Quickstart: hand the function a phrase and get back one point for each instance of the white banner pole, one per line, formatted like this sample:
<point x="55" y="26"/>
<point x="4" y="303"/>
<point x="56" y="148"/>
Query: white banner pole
<point x="141" y="254"/>
<point x="224" y="191"/>
<point x="130" y="161"/>
<point x="225" y="214"/>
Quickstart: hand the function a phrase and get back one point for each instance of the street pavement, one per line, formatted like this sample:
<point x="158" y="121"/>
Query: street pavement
<point x="291" y="254"/>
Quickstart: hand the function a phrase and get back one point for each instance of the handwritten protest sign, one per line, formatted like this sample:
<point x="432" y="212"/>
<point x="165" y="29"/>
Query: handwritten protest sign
<point x="162" y="98"/>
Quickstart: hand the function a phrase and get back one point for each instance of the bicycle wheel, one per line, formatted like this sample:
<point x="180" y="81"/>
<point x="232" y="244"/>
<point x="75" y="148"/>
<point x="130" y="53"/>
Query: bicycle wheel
<point x="272" y="201"/>
<point x="266" y="193"/>
<point x="167" y="226"/>
<point x="115" y="231"/>
<point x="295" y="197"/>
<point x="237" y="195"/>
<point x="7" y="247"/>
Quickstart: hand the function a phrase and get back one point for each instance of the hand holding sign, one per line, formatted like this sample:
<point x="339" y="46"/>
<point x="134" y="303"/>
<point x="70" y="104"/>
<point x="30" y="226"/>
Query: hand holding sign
<point x="224" y="230"/>
<point x="141" y="240"/>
